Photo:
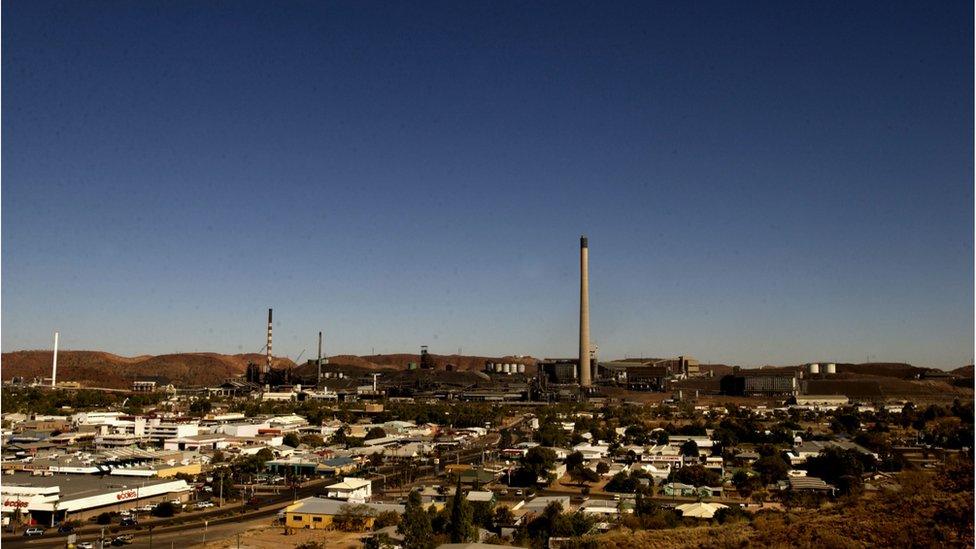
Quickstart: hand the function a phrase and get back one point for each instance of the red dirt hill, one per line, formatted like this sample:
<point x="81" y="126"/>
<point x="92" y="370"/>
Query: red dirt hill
<point x="98" y="369"/>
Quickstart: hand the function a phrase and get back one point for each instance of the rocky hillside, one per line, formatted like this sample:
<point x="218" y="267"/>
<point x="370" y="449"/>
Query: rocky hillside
<point x="98" y="369"/>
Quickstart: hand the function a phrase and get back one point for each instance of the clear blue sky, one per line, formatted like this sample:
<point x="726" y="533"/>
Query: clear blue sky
<point x="762" y="183"/>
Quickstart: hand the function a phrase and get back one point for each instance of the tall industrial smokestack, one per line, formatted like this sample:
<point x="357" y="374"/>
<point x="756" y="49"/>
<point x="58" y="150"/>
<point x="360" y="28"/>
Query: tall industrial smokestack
<point x="584" y="334"/>
<point x="319" y="362"/>
<point x="54" y="365"/>
<point x="267" y="365"/>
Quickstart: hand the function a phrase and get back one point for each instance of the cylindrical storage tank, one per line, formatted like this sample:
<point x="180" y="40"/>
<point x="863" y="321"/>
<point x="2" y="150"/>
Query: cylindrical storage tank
<point x="499" y="367"/>
<point x="521" y="368"/>
<point x="507" y="368"/>
<point x="831" y="368"/>
<point x="814" y="368"/>
<point x="489" y="366"/>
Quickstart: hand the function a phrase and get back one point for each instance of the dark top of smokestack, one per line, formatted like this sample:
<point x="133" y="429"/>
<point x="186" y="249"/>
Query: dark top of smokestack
<point x="583" y="242"/>
<point x="269" y="316"/>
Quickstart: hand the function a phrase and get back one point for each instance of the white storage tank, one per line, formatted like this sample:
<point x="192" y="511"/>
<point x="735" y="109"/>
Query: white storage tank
<point x="499" y="367"/>
<point x="831" y="368"/>
<point x="521" y="368"/>
<point x="813" y="369"/>
<point x="508" y="368"/>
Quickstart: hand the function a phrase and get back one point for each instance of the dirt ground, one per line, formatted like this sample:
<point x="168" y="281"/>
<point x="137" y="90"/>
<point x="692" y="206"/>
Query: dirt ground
<point x="272" y="537"/>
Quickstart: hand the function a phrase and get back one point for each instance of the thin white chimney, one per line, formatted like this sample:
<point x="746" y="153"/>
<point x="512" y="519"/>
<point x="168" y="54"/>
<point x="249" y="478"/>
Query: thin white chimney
<point x="54" y="366"/>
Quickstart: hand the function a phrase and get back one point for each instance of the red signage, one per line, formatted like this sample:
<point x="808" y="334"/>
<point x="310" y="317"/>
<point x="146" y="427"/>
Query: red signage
<point x="14" y="503"/>
<point x="126" y="495"/>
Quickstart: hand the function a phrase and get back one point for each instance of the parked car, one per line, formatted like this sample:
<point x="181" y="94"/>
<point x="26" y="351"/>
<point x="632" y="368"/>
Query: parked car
<point x="146" y="508"/>
<point x="128" y="522"/>
<point x="85" y="545"/>
<point x="66" y="529"/>
<point x="33" y="531"/>
<point x="119" y="541"/>
<point x="177" y="503"/>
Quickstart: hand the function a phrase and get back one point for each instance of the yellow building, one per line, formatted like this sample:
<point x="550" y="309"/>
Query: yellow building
<point x="318" y="513"/>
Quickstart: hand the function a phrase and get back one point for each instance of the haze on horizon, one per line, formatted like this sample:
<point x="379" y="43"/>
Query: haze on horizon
<point x="768" y="184"/>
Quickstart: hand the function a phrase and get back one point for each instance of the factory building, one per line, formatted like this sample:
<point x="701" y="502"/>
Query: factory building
<point x="560" y="370"/>
<point x="759" y="382"/>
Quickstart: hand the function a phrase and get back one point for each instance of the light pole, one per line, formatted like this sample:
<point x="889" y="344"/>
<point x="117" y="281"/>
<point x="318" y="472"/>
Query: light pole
<point x="205" y="523"/>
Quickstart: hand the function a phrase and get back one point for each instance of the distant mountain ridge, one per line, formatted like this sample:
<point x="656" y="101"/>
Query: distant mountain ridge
<point x="102" y="369"/>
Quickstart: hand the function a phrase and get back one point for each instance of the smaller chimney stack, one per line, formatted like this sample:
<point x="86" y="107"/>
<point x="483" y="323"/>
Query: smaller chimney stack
<point x="319" y="362"/>
<point x="267" y="365"/>
<point x="54" y="365"/>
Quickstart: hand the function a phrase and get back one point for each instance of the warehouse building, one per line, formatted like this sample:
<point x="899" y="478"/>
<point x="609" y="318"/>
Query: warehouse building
<point x="760" y="382"/>
<point x="51" y="500"/>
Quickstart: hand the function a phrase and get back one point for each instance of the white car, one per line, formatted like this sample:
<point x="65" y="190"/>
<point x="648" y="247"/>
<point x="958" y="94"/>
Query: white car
<point x="204" y="504"/>
<point x="84" y="545"/>
<point x="147" y="508"/>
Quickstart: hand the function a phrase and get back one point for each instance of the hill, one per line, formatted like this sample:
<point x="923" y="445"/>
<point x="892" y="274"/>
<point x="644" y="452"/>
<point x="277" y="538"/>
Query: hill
<point x="99" y="369"/>
<point x="964" y="372"/>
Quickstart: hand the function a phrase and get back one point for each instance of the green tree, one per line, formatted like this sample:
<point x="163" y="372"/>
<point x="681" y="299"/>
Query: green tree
<point x="696" y="475"/>
<point x="312" y="440"/>
<point x="505" y="440"/>
<point x="539" y="460"/>
<point x="504" y="516"/>
<point x="340" y="437"/>
<point x="745" y="484"/>
<point x="574" y="460"/>
<point x="351" y="518"/>
<point x="386" y="518"/>
<point x="581" y="475"/>
<point x="770" y="468"/>
<point x="461" y="527"/>
<point x="292" y="439"/>
<point x="415" y="527"/>
<point x="201" y="407"/>
<point x="375" y="432"/>
<point x="602" y="468"/>
<point x="843" y="468"/>
<point x="551" y="434"/>
<point x="690" y="449"/>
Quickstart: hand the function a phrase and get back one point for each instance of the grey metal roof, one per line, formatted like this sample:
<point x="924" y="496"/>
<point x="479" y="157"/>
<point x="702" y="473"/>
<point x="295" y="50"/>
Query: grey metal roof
<point x="325" y="506"/>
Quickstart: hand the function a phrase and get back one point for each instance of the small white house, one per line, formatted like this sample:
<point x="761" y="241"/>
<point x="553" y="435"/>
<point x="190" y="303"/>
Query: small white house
<point x="350" y="489"/>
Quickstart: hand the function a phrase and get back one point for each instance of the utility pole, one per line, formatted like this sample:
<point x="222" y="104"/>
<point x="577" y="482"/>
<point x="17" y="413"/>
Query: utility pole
<point x="150" y="536"/>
